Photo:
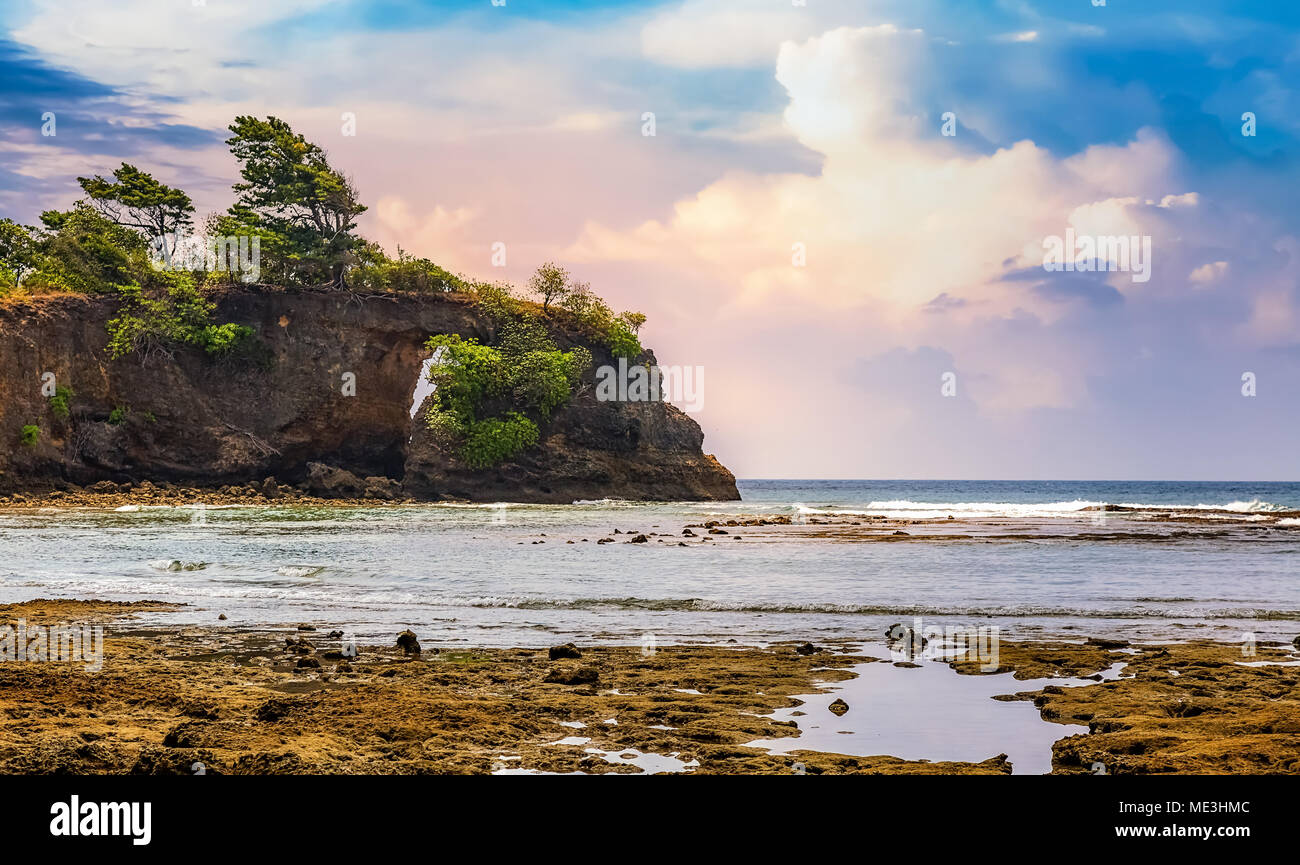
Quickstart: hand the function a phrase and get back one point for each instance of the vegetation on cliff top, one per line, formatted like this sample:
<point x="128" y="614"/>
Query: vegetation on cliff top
<point x="130" y="236"/>
<point x="293" y="223"/>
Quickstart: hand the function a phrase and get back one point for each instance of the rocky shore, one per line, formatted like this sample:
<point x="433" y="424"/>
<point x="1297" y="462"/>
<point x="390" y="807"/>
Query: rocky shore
<point x="225" y="699"/>
<point x="325" y="402"/>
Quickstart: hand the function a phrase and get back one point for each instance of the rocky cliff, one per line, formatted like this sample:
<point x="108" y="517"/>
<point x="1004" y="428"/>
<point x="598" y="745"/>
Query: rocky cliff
<point x="326" y="395"/>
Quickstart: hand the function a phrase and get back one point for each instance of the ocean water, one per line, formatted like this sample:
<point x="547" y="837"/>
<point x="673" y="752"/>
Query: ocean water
<point x="1036" y="559"/>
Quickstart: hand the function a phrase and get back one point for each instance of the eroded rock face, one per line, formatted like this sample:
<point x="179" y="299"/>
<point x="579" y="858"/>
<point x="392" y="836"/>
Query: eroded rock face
<point x="332" y="385"/>
<point x="591" y="449"/>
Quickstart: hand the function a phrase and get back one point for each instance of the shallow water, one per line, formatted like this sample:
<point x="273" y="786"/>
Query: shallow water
<point x="929" y="713"/>
<point x="1036" y="563"/>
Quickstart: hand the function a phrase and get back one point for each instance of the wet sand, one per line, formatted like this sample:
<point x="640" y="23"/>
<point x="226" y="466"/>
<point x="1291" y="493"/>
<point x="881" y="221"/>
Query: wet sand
<point x="258" y="701"/>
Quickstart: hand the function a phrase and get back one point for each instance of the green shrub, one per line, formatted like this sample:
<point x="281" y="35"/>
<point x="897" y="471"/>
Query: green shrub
<point x="180" y="316"/>
<point x="30" y="435"/>
<point x="406" y="273"/>
<point x="622" y="341"/>
<point x="491" y="441"/>
<point x="543" y="380"/>
<point x="118" y="415"/>
<point x="498" y="303"/>
<point x="526" y="369"/>
<point x="60" y="402"/>
<point x="618" y="333"/>
<point x="222" y="339"/>
<point x="466" y="374"/>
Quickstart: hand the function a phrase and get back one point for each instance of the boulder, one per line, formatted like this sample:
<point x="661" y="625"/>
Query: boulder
<point x="407" y="642"/>
<point x="383" y="488"/>
<point x="330" y="482"/>
<point x="568" y="650"/>
<point x="573" y="676"/>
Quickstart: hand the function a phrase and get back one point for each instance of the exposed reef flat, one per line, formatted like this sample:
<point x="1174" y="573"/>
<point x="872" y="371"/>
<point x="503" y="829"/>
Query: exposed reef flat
<point x="253" y="700"/>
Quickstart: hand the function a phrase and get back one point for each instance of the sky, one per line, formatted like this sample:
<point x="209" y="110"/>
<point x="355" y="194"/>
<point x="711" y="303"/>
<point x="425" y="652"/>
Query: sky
<point x="840" y="218"/>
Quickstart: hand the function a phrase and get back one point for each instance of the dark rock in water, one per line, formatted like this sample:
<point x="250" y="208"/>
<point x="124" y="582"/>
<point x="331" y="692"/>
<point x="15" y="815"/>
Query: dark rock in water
<point x="1108" y="644"/>
<point x="568" y="650"/>
<point x="605" y="541"/>
<point x="839" y="708"/>
<point x="334" y="635"/>
<point x="305" y="627"/>
<point x="407" y="642"/>
<point x="308" y="662"/>
<point x="901" y="632"/>
<point x="573" y="676"/>
<point x="907" y="665"/>
<point x="687" y="533"/>
<point x="221" y="618"/>
<point x="807" y="649"/>
<point x="1296" y="642"/>
<point x="639" y="539"/>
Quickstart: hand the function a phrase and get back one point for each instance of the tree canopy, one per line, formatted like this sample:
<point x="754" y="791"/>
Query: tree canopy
<point x="292" y="193"/>
<point x="133" y="198"/>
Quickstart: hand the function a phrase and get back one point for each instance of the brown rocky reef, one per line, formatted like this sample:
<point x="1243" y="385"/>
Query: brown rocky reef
<point x="283" y="409"/>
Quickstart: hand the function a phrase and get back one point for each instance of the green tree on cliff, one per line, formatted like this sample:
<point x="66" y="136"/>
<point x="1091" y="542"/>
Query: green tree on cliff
<point x="133" y="198"/>
<point x="633" y="320"/>
<point x="18" y="250"/>
<point x="82" y="250"/>
<point x="303" y="208"/>
<point x="550" y="283"/>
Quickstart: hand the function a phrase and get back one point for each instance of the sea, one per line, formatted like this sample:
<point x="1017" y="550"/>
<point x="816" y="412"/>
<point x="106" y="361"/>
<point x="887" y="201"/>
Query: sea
<point x="1035" y="559"/>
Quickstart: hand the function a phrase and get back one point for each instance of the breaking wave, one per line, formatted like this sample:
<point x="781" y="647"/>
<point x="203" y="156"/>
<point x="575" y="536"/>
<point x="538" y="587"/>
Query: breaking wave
<point x="702" y="605"/>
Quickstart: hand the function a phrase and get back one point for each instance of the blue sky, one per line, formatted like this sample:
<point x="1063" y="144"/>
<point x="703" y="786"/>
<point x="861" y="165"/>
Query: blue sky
<point x="777" y="125"/>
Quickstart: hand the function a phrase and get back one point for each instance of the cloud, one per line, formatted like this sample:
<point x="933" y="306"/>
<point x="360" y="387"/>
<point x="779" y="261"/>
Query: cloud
<point x="56" y="124"/>
<point x="912" y="240"/>
<point x="898" y="214"/>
